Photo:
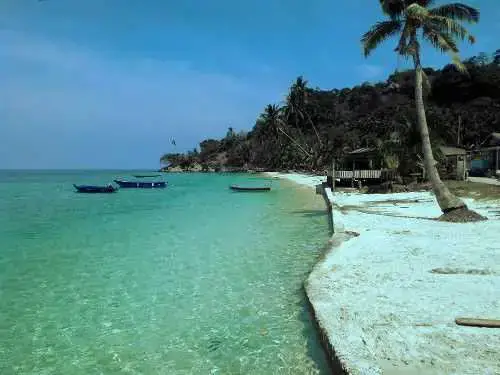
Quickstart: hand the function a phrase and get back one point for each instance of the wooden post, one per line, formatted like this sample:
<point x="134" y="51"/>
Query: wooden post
<point x="333" y="174"/>
<point x="353" y="169"/>
<point x="496" y="163"/>
<point x="329" y="209"/>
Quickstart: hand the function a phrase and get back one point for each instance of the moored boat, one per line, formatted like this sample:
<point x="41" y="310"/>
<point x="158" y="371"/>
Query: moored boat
<point x="95" y="188"/>
<point x="146" y="175"/>
<point x="249" y="188"/>
<point x="141" y="184"/>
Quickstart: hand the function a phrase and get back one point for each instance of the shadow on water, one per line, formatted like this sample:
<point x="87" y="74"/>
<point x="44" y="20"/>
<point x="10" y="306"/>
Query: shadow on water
<point x="316" y="349"/>
<point x="314" y="345"/>
<point x="309" y="213"/>
<point x="316" y="214"/>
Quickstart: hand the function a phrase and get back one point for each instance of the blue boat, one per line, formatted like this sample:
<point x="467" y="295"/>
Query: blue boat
<point x="249" y="188"/>
<point x="93" y="189"/>
<point x="141" y="184"/>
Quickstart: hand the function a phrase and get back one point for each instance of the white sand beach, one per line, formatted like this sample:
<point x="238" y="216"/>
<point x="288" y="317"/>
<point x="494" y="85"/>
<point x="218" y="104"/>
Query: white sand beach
<point x="301" y="179"/>
<point x="387" y="300"/>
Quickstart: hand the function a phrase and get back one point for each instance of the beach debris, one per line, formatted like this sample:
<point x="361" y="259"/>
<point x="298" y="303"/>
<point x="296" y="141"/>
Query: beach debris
<point x="461" y="271"/>
<point x="478" y="322"/>
<point x="405" y="231"/>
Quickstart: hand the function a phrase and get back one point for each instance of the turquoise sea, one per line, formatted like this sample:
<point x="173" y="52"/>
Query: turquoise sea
<point x="191" y="279"/>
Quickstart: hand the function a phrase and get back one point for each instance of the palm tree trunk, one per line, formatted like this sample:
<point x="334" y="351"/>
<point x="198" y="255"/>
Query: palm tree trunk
<point x="295" y="142"/>
<point x="315" y="130"/>
<point x="446" y="200"/>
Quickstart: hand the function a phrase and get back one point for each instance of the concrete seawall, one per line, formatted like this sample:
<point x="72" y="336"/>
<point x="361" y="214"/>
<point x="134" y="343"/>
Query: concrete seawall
<point x="337" y="366"/>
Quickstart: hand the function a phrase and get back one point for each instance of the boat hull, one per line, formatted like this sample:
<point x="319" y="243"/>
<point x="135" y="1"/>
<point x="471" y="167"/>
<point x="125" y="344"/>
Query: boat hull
<point x="141" y="184"/>
<point x="250" y="189"/>
<point x="146" y="175"/>
<point x="90" y="189"/>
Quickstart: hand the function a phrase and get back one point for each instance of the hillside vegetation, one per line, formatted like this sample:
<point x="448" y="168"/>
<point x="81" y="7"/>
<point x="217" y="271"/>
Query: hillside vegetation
<point x="313" y="126"/>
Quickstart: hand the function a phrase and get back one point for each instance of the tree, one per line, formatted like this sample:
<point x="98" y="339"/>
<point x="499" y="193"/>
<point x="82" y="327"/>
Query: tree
<point x="295" y="107"/>
<point x="482" y="59"/>
<point x="230" y="134"/>
<point x="411" y="21"/>
<point x="496" y="57"/>
<point x="272" y="117"/>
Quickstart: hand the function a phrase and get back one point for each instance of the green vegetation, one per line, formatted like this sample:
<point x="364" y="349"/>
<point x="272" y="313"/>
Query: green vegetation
<point x="368" y="115"/>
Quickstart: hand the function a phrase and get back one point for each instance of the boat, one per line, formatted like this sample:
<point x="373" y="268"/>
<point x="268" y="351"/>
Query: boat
<point x="249" y="188"/>
<point x="146" y="175"/>
<point x="141" y="184"/>
<point x="95" y="189"/>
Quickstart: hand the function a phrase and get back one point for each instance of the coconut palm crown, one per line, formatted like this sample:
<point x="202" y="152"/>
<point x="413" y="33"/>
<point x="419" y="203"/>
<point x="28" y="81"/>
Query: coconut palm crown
<point x="414" y="20"/>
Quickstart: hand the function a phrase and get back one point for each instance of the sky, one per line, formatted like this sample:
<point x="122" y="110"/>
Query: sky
<point x="107" y="83"/>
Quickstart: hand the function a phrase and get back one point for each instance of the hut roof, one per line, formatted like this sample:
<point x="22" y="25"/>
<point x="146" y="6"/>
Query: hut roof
<point x="491" y="140"/>
<point x="452" y="151"/>
<point x="362" y="151"/>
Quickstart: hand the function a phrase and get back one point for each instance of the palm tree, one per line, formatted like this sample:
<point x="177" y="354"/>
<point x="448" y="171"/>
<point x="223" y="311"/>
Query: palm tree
<point x="411" y="21"/>
<point x="295" y="105"/>
<point x="272" y="117"/>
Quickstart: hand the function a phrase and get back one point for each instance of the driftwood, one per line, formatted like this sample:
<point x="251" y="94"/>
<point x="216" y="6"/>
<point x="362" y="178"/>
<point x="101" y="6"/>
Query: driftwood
<point x="474" y="322"/>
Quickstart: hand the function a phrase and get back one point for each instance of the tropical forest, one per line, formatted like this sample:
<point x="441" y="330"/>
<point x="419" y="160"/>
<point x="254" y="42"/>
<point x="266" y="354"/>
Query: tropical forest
<point x="311" y="127"/>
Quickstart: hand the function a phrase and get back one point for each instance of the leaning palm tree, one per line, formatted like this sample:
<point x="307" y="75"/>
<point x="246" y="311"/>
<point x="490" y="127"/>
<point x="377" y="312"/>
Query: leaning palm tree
<point x="412" y="21"/>
<point x="272" y="117"/>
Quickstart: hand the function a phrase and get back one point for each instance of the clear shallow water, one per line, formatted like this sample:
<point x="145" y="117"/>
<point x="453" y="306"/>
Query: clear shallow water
<point x="192" y="279"/>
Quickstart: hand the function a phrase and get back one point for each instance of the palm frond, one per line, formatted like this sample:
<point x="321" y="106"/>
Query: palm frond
<point x="402" y="47"/>
<point x="457" y="61"/>
<point x="393" y="8"/>
<point x="396" y="8"/>
<point x="450" y="26"/>
<point x="458" y="12"/>
<point x="379" y="32"/>
<point x="440" y="40"/>
<point x="425" y="3"/>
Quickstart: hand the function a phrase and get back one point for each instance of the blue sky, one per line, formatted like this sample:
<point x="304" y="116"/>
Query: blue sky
<point x="106" y="83"/>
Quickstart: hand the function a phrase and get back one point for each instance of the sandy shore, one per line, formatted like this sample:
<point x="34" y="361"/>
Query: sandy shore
<point x="301" y="179"/>
<point x="387" y="300"/>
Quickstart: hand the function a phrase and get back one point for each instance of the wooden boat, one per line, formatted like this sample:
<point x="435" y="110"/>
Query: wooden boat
<point x="249" y="188"/>
<point x="95" y="189"/>
<point x="141" y="184"/>
<point x="146" y="175"/>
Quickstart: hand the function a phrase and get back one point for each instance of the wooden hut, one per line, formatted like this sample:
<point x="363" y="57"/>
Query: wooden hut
<point x="454" y="164"/>
<point x="362" y="166"/>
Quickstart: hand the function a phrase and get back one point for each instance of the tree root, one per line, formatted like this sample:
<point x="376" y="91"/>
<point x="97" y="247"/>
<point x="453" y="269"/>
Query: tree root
<point x="461" y="215"/>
